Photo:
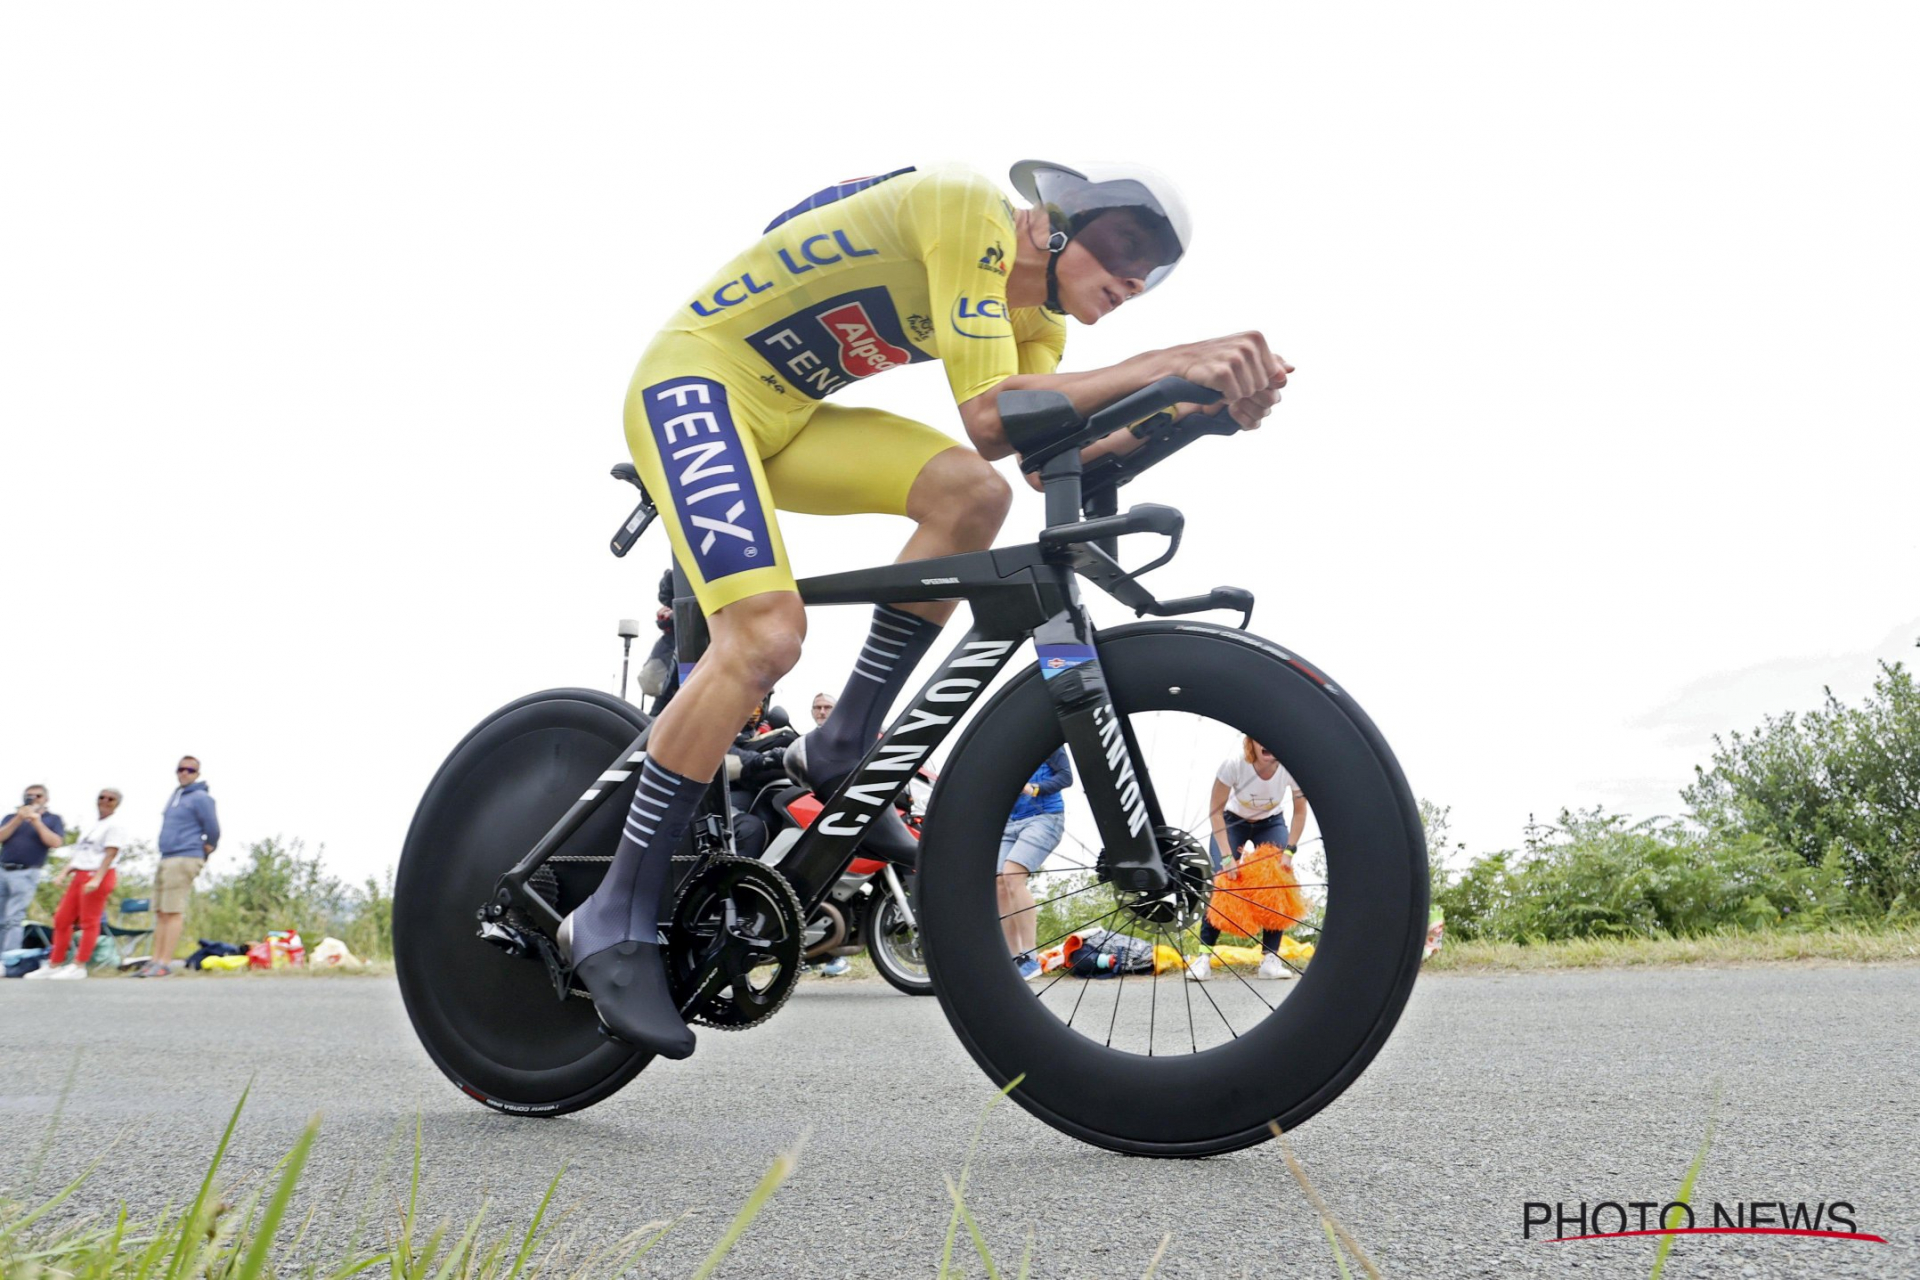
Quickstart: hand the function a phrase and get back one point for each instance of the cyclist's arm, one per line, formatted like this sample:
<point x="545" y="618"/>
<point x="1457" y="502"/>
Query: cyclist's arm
<point x="1089" y="389"/>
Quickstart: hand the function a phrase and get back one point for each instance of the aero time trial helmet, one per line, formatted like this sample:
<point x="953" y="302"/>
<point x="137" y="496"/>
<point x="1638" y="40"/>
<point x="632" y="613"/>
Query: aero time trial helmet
<point x="1144" y="246"/>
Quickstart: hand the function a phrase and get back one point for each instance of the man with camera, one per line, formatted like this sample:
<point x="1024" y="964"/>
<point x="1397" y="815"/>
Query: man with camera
<point x="24" y="841"/>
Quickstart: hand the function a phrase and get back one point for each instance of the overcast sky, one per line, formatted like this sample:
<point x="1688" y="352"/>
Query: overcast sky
<point x="315" y="325"/>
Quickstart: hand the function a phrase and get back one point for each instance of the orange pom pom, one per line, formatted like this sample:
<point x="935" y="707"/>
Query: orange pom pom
<point x="1260" y="894"/>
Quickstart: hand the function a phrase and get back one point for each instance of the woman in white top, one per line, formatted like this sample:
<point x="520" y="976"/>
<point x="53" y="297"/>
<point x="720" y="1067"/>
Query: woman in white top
<point x="1250" y="805"/>
<point x="90" y="879"/>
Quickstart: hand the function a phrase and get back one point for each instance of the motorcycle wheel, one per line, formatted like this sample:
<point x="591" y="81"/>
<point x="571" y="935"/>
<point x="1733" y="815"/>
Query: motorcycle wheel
<point x="894" y="945"/>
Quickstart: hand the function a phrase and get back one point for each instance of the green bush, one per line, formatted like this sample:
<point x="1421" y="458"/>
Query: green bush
<point x="278" y="885"/>
<point x="1840" y="786"/>
<point x="1597" y="875"/>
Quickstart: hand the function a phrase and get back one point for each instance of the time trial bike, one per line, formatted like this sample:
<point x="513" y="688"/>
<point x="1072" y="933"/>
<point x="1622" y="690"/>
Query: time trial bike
<point x="520" y="822"/>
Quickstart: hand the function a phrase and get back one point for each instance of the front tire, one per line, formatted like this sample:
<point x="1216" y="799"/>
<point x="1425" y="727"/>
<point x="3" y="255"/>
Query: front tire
<point x="1301" y="1053"/>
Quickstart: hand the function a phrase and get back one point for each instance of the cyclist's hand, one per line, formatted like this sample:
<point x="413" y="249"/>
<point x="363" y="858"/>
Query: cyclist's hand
<point x="1250" y="411"/>
<point x="1238" y="366"/>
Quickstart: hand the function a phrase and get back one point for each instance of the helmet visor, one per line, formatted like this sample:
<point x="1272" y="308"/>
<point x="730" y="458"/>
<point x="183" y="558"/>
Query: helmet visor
<point x="1121" y="223"/>
<point x="1130" y="243"/>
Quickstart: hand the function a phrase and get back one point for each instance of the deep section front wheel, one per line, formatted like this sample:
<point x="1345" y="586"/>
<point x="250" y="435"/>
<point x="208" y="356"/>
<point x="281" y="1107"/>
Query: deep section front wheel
<point x="1145" y="1059"/>
<point x="492" y="1021"/>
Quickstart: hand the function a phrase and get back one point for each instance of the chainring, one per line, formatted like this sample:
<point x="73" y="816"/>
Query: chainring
<point x="733" y="952"/>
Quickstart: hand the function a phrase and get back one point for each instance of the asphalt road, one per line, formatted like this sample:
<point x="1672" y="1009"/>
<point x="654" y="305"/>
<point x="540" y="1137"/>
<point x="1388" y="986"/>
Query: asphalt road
<point x="1494" y="1092"/>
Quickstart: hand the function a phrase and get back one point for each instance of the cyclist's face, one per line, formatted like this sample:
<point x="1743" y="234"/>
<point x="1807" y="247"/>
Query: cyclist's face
<point x="1106" y="264"/>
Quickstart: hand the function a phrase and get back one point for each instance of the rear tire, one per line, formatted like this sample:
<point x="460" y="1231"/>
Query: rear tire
<point x="1297" y="1058"/>
<point x="489" y="1020"/>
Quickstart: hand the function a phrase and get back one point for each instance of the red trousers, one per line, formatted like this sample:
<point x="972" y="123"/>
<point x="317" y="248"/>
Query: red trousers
<point x="85" y="901"/>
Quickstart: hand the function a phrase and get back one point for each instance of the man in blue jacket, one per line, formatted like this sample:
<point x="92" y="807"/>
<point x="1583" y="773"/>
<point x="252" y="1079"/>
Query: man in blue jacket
<point x="189" y="832"/>
<point x="1033" y="833"/>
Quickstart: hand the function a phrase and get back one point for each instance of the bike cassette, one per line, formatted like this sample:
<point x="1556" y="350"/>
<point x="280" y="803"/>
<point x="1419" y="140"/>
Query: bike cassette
<point x="733" y="951"/>
<point x="1183" y="903"/>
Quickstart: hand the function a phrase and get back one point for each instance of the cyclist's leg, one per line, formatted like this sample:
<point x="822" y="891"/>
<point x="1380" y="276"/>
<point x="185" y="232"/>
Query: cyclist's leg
<point x="850" y="461"/>
<point x="697" y="455"/>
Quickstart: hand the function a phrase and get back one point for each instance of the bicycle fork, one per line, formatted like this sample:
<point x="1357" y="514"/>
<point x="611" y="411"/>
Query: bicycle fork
<point x="1105" y="756"/>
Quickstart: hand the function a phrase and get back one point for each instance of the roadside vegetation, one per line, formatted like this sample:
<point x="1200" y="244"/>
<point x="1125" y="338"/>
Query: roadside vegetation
<point x="1800" y="839"/>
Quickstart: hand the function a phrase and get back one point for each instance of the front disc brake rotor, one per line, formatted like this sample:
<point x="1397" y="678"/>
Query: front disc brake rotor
<point x="1183" y="903"/>
<point x="733" y="954"/>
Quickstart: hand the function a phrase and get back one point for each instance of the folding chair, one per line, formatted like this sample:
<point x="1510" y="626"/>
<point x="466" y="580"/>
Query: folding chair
<point x="120" y="939"/>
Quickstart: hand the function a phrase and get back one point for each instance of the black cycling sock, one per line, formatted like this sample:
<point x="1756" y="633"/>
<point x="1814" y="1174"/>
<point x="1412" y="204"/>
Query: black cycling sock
<point x="615" y="934"/>
<point x="895" y="644"/>
<point x="626" y="906"/>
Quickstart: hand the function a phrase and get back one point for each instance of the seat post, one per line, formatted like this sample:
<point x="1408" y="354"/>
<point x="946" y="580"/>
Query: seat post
<point x="1060" y="479"/>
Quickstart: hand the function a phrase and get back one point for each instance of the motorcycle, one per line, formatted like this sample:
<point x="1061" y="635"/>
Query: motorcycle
<point x="870" y="907"/>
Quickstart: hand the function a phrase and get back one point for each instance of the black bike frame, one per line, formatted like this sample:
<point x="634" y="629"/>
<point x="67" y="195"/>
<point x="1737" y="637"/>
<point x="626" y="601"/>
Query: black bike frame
<point x="1014" y="592"/>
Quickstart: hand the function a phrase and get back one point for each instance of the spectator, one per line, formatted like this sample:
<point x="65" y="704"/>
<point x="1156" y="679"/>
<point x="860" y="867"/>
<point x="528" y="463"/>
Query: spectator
<point x="24" y="841"/>
<point x="660" y="673"/>
<point x="823" y="704"/>
<point x="1246" y="806"/>
<point x="90" y="879"/>
<point x="1033" y="832"/>
<point x="189" y="833"/>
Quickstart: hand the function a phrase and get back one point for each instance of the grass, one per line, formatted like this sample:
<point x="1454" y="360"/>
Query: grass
<point x="1840" y="945"/>
<point x="245" y="1229"/>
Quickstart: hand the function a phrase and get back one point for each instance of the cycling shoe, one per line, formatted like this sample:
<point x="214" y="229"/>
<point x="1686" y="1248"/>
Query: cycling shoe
<point x="628" y="983"/>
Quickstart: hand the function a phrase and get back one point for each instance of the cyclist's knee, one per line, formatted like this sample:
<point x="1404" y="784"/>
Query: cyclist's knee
<point x="759" y="637"/>
<point x="967" y="497"/>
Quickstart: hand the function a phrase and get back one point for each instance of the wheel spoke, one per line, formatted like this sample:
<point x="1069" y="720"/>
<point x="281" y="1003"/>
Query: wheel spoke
<point x="1242" y="981"/>
<point x="1058" y="897"/>
<point x="1114" y="1021"/>
<point x="1153" y="1000"/>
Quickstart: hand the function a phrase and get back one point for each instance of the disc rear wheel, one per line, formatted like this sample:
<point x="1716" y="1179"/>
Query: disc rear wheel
<point x="490" y="1020"/>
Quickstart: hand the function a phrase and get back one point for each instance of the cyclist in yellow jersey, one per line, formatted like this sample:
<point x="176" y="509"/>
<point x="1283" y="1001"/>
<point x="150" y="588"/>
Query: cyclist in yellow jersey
<point x="728" y="422"/>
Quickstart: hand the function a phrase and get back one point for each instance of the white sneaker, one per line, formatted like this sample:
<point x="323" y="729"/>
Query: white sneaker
<point x="1272" y="966"/>
<point x="68" y="971"/>
<point x="1200" y="969"/>
<point x="42" y="972"/>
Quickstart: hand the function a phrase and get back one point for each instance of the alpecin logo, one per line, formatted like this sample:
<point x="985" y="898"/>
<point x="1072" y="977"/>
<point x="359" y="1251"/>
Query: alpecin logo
<point x="1563" y="1222"/>
<point x="863" y="352"/>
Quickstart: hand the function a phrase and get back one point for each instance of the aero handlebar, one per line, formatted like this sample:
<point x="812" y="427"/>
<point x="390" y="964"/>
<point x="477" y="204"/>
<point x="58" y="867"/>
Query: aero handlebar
<point x="1043" y="424"/>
